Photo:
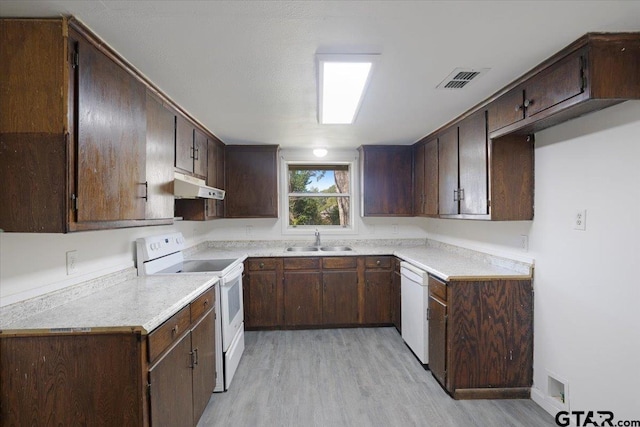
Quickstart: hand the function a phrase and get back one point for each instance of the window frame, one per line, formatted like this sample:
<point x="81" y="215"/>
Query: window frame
<point x="327" y="229"/>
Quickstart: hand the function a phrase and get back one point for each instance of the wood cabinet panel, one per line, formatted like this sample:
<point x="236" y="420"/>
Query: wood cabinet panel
<point x="507" y="109"/>
<point x="396" y="296"/>
<point x="341" y="263"/>
<point x="203" y="303"/>
<point x="261" y="305"/>
<point x="386" y="180"/>
<point x="184" y="144"/>
<point x="251" y="181"/>
<point x="302" y="298"/>
<point x="377" y="297"/>
<point x="200" y="153"/>
<point x="111" y="159"/>
<point x="159" y="159"/>
<point x="33" y="76"/>
<point x="340" y="297"/>
<point x="62" y="379"/>
<point x="448" y="172"/>
<point x="472" y="153"/>
<point x="419" y="187"/>
<point x="372" y="262"/>
<point x="171" y="390"/>
<point x="204" y="365"/>
<point x="167" y="333"/>
<point x="431" y="178"/>
<point x="262" y="263"/>
<point x="301" y="263"/>
<point x="437" y="339"/>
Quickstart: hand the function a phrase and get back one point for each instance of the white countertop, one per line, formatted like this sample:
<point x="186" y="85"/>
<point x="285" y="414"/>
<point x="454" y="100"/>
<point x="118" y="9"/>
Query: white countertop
<point x="445" y="261"/>
<point x="140" y="304"/>
<point x="144" y="303"/>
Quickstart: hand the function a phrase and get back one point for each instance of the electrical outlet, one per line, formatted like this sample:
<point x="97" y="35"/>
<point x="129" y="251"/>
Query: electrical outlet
<point x="580" y="220"/>
<point x="394" y="229"/>
<point x="72" y="262"/>
<point x="524" y="243"/>
<point x="249" y="230"/>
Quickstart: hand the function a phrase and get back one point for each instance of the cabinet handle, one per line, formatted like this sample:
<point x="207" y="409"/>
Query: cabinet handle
<point x="192" y="152"/>
<point x="428" y="314"/>
<point x="206" y="303"/>
<point x="146" y="191"/>
<point x="461" y="194"/>
<point x="519" y="107"/>
<point x="196" y="151"/>
<point x="378" y="262"/>
<point x="528" y="102"/>
<point x="195" y="352"/>
<point x="455" y="196"/>
<point x="174" y="330"/>
<point x="261" y="265"/>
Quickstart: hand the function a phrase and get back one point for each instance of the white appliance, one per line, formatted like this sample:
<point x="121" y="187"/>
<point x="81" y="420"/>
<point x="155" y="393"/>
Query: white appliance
<point x="162" y="255"/>
<point x="189" y="187"/>
<point x="415" y="301"/>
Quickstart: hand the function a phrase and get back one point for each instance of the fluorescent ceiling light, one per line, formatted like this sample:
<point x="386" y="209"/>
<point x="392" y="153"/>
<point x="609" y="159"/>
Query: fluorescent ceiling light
<point x="342" y="82"/>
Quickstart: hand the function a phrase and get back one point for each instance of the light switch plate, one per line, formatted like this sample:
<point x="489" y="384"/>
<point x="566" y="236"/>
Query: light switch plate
<point x="72" y="262"/>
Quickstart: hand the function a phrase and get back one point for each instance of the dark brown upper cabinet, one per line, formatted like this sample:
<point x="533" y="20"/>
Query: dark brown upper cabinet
<point x="74" y="150"/>
<point x="191" y="148"/>
<point x="596" y="71"/>
<point x="425" y="170"/>
<point x="251" y="181"/>
<point x="386" y="180"/>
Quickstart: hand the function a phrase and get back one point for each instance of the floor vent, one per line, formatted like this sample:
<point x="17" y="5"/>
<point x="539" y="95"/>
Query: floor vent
<point x="460" y="77"/>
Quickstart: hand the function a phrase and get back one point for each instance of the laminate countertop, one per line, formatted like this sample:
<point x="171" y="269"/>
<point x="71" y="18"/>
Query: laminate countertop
<point x="448" y="262"/>
<point x="140" y="305"/>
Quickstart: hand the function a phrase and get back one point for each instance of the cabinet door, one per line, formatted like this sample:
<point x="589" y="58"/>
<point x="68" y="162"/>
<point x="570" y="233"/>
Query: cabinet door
<point x="111" y="139"/>
<point x="555" y="84"/>
<point x="184" y="144"/>
<point x="340" y="297"/>
<point x="431" y="178"/>
<point x="200" y="153"/>
<point x="261" y="306"/>
<point x="472" y="143"/>
<point x="204" y="367"/>
<point x="396" y="297"/>
<point x="448" y="172"/>
<point x="211" y="210"/>
<point x="171" y="390"/>
<point x="159" y="166"/>
<point x="437" y="339"/>
<point x="377" y="297"/>
<point x="507" y="109"/>
<point x="251" y="182"/>
<point x="419" y="197"/>
<point x="386" y="181"/>
<point x="302" y="299"/>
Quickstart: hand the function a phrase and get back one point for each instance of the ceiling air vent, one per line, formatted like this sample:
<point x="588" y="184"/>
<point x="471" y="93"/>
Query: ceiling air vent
<point x="460" y="77"/>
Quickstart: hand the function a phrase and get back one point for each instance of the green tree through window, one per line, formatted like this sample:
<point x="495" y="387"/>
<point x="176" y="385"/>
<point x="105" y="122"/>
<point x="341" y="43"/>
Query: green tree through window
<point x="319" y="195"/>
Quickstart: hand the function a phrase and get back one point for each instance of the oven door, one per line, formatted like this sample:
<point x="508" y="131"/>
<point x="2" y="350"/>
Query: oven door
<point x="231" y="306"/>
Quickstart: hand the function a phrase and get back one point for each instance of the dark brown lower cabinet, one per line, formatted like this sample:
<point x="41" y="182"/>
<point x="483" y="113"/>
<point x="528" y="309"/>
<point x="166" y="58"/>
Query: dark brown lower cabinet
<point x="378" y="277"/>
<point x="339" y="297"/>
<point x="484" y="329"/>
<point x="396" y="300"/>
<point x="302" y="298"/>
<point x="108" y="378"/>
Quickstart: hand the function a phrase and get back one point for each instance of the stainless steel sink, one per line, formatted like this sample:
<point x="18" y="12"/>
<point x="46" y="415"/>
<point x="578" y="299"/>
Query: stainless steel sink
<point x="335" y="248"/>
<point x="303" y="249"/>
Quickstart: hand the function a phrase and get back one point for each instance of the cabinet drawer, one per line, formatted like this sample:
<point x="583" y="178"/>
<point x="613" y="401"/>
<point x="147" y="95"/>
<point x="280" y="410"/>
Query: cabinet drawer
<point x="377" y="262"/>
<point x="202" y="304"/>
<point x="301" y="263"/>
<point x="437" y="288"/>
<point x="262" y="264"/>
<point x="339" y="262"/>
<point x="168" y="332"/>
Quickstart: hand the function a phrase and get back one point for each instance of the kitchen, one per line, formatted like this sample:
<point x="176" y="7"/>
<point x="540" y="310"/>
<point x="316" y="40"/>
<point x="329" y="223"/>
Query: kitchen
<point x="587" y="163"/>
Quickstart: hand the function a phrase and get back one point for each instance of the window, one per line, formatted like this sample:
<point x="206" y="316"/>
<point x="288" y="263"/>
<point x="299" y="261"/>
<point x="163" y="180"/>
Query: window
<point x="319" y="195"/>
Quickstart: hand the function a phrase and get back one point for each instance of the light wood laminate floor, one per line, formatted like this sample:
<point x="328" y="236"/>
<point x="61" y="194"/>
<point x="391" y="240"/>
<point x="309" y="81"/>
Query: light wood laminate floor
<point x="348" y="377"/>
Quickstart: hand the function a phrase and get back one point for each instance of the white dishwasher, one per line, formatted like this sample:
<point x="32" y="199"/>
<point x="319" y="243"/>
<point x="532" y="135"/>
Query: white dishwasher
<point x="415" y="300"/>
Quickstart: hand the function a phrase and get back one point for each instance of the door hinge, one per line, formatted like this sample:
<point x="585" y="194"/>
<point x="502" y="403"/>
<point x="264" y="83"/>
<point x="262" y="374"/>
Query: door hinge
<point x="74" y="202"/>
<point x="75" y="60"/>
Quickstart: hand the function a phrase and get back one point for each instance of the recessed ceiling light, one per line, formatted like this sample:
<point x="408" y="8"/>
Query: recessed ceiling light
<point x="320" y="152"/>
<point x="342" y="80"/>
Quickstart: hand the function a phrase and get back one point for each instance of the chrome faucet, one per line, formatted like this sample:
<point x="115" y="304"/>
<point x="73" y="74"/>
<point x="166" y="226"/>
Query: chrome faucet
<point x="317" y="234"/>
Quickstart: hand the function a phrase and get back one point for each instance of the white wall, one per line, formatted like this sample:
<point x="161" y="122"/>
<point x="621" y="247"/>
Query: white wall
<point x="34" y="264"/>
<point x="587" y="289"/>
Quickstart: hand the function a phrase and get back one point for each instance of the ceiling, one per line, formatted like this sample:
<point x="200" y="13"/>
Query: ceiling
<point x="247" y="71"/>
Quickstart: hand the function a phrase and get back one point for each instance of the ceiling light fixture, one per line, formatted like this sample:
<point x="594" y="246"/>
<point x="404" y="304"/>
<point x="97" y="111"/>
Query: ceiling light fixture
<point x="342" y="80"/>
<point x="320" y="152"/>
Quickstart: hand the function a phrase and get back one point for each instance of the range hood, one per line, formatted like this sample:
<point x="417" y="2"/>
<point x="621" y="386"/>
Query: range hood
<point x="188" y="187"/>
